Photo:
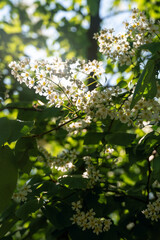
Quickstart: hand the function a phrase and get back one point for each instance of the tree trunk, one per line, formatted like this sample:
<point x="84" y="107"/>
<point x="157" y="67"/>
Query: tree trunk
<point x="93" y="46"/>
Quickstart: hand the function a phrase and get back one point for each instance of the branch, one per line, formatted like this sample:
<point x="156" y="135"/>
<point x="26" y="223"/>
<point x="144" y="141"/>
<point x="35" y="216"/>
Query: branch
<point x="53" y="129"/>
<point x="126" y="195"/>
<point x="22" y="108"/>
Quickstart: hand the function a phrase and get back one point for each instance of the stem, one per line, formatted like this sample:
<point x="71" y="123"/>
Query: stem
<point x="69" y="108"/>
<point x="125" y="98"/>
<point x="61" y="90"/>
<point x="91" y="83"/>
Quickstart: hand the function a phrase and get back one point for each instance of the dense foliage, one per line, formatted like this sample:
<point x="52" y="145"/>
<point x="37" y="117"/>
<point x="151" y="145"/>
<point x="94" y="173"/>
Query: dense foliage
<point x="79" y="163"/>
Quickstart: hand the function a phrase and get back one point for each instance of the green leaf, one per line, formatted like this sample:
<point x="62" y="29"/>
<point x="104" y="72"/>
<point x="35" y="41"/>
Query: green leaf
<point x="146" y="85"/>
<point x="29" y="207"/>
<point x="76" y="233"/>
<point x="59" y="215"/>
<point x="122" y="68"/>
<point x="26" y="115"/>
<point x="4" y="130"/>
<point x="39" y="115"/>
<point x="49" y="113"/>
<point x="11" y="130"/>
<point x="50" y="188"/>
<point x="148" y="143"/>
<point x="156" y="168"/>
<point x="117" y="125"/>
<point x="8" y="176"/>
<point x="25" y="147"/>
<point x="111" y="234"/>
<point x="122" y="84"/>
<point x="92" y="138"/>
<point x="74" y="181"/>
<point x="120" y="138"/>
<point x="152" y="47"/>
<point x="61" y="134"/>
<point x="135" y="156"/>
<point x="18" y="129"/>
<point x="7" y="225"/>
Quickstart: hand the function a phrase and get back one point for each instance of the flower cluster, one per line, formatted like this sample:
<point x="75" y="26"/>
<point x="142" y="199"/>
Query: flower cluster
<point x="76" y="127"/>
<point x="21" y="194"/>
<point x="91" y="173"/>
<point x="122" y="47"/>
<point x="93" y="67"/>
<point x="73" y="94"/>
<point x="153" y="210"/>
<point x="63" y="162"/>
<point x="46" y="77"/>
<point x="88" y="220"/>
<point x="100" y="105"/>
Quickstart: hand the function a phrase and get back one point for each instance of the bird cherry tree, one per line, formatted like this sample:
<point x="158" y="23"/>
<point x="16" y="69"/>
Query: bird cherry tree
<point x="80" y="163"/>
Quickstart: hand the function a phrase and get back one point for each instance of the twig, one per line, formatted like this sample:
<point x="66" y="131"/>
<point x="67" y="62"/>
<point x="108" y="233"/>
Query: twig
<point x="126" y="195"/>
<point x="61" y="88"/>
<point x="53" y="129"/>
<point x="149" y="177"/>
<point x="125" y="98"/>
<point x="110" y="125"/>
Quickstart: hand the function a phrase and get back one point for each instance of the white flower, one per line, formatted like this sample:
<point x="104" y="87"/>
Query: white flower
<point x="107" y="224"/>
<point x="30" y="83"/>
<point x="41" y="75"/>
<point x="97" y="229"/>
<point x="74" y="218"/>
<point x="21" y="194"/>
<point x="76" y="205"/>
<point x="34" y="66"/>
<point x="25" y="75"/>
